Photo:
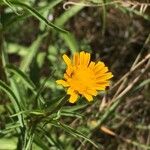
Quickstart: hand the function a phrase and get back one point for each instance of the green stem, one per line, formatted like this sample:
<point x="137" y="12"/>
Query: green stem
<point x="103" y="18"/>
<point x="35" y="121"/>
<point x="34" y="12"/>
<point x="2" y="72"/>
<point x="59" y="106"/>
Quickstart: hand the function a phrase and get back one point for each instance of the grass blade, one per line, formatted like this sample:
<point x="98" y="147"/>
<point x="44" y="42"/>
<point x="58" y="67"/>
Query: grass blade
<point x="76" y="133"/>
<point x="7" y="22"/>
<point x="35" y="13"/>
<point x="13" y="99"/>
<point x="22" y="76"/>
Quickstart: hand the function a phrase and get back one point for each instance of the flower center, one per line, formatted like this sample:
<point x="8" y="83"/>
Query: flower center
<point x="82" y="79"/>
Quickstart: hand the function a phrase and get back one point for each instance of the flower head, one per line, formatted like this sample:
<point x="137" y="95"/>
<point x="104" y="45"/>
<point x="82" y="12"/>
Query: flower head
<point x="83" y="77"/>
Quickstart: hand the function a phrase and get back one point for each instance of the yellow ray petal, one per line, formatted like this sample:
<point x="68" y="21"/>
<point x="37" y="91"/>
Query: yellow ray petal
<point x="82" y="57"/>
<point x="102" y="84"/>
<point x="100" y="71"/>
<point x="69" y="70"/>
<point x="88" y="97"/>
<point x="104" y="76"/>
<point x="92" y="92"/>
<point x="100" y="87"/>
<point x="66" y="76"/>
<point x="67" y="60"/>
<point x="70" y="91"/>
<point x="73" y="97"/>
<point x="99" y="66"/>
<point x="62" y="82"/>
<point x="106" y="83"/>
<point x="87" y="59"/>
<point x="92" y="65"/>
<point x="76" y="59"/>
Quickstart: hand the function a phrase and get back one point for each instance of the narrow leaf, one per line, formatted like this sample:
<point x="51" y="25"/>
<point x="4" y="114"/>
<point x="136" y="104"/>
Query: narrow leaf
<point x="22" y="76"/>
<point x="13" y="99"/>
<point x="35" y="13"/>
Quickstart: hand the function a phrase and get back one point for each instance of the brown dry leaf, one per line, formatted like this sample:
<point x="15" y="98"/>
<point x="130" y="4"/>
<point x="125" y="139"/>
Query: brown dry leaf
<point x="107" y="131"/>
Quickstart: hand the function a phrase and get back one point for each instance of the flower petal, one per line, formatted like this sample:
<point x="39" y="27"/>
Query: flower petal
<point x="100" y="71"/>
<point x="87" y="59"/>
<point x="76" y="59"/>
<point x="62" y="82"/>
<point x="100" y="87"/>
<point x="73" y="97"/>
<point x="67" y="60"/>
<point x="105" y="83"/>
<point x="88" y="97"/>
<point x="66" y="76"/>
<point x="70" y="91"/>
<point x="99" y="66"/>
<point x="92" y="65"/>
<point x="69" y="71"/>
<point x="82" y="57"/>
<point x="105" y="76"/>
<point x="92" y="92"/>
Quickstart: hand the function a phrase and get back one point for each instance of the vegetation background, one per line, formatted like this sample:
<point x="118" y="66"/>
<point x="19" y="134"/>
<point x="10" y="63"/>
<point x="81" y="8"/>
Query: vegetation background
<point x="33" y="36"/>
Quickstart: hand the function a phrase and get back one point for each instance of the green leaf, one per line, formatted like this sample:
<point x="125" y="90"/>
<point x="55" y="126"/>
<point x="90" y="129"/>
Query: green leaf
<point x="76" y="133"/>
<point x="27" y="82"/>
<point x="51" y="140"/>
<point x="69" y="38"/>
<point x="71" y="114"/>
<point x="74" y="108"/>
<point x="32" y="51"/>
<point x="13" y="99"/>
<point x="71" y="42"/>
<point x="22" y="76"/>
<point x="67" y="15"/>
<point x="35" y="13"/>
<point x="8" y="143"/>
<point x="40" y="143"/>
<point x="9" y="18"/>
<point x="143" y="83"/>
<point x="10" y="128"/>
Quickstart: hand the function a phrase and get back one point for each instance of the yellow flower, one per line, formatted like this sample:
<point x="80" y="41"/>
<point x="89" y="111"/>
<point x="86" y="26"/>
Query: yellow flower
<point x="83" y="77"/>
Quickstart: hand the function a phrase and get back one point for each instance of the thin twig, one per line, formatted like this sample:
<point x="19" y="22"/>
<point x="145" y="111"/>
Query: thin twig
<point x="131" y="84"/>
<point x="131" y="71"/>
<point x="66" y="4"/>
<point x="133" y="65"/>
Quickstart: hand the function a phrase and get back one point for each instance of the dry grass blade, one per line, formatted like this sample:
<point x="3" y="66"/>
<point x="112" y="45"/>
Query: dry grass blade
<point x="88" y="4"/>
<point x="147" y="57"/>
<point x="129" y="141"/>
<point x="126" y="89"/>
<point x="141" y="5"/>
